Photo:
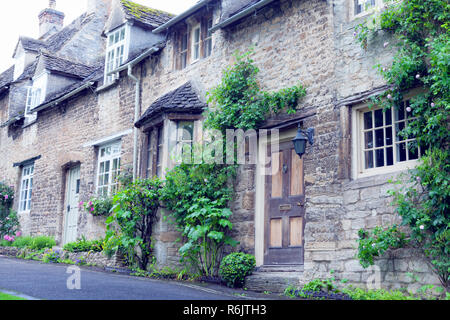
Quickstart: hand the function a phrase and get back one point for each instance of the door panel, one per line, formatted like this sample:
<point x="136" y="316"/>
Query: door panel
<point x="285" y="214"/>
<point x="72" y="196"/>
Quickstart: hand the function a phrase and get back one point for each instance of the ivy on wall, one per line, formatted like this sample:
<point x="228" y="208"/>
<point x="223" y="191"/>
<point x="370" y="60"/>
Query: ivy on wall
<point x="420" y="29"/>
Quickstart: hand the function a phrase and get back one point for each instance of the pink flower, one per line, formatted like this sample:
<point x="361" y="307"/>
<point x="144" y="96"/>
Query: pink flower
<point x="92" y="209"/>
<point x="90" y="203"/>
<point x="408" y="109"/>
<point x="385" y="44"/>
<point x="6" y="197"/>
<point x="421" y="227"/>
<point x="432" y="104"/>
<point x="18" y="234"/>
<point x="389" y="96"/>
<point x="418" y="179"/>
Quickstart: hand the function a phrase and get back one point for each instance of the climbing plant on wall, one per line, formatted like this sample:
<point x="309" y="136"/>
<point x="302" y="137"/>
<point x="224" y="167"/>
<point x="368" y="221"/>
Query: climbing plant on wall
<point x="420" y="30"/>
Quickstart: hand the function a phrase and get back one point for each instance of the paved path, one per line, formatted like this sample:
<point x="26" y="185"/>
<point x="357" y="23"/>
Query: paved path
<point x="49" y="282"/>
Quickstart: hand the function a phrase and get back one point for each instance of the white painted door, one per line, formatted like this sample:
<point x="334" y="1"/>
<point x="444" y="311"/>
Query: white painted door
<point x="72" y="196"/>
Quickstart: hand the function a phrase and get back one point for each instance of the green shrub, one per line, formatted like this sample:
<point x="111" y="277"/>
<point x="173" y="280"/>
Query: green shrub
<point x="42" y="242"/>
<point x="84" y="245"/>
<point x="22" y="242"/>
<point x="235" y="267"/>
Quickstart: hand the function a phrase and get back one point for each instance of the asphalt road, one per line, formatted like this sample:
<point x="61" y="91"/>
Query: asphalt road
<point x="50" y="282"/>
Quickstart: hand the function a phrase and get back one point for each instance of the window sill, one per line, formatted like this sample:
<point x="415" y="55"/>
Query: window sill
<point x="391" y="171"/>
<point x="107" y="86"/>
<point x="28" y="124"/>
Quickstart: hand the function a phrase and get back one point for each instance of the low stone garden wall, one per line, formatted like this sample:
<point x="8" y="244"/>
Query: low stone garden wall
<point x="97" y="259"/>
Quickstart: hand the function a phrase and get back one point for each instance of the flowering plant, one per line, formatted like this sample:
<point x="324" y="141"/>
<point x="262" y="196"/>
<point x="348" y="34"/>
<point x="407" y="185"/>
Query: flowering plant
<point x="98" y="207"/>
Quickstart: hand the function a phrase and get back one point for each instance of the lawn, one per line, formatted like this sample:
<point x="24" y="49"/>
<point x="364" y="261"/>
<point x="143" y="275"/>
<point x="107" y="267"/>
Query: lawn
<point x="4" y="296"/>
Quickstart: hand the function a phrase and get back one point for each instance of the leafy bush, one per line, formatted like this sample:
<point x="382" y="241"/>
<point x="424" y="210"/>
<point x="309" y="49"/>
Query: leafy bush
<point x="6" y="200"/>
<point x="98" y="207"/>
<point x="42" y="242"/>
<point x="9" y="225"/>
<point x="374" y="244"/>
<point x="23" y="242"/>
<point x="84" y="245"/>
<point x="129" y="228"/>
<point x="235" y="267"/>
<point x="197" y="196"/>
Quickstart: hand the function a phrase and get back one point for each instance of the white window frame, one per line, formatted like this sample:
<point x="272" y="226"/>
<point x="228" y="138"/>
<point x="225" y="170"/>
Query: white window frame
<point x="358" y="165"/>
<point x="117" y="42"/>
<point x="26" y="188"/>
<point x="208" y="39"/>
<point x="35" y="96"/>
<point x="196" y="43"/>
<point x="379" y="4"/>
<point x="105" y="166"/>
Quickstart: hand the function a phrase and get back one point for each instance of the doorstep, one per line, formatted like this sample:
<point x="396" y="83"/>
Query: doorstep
<point x="274" y="279"/>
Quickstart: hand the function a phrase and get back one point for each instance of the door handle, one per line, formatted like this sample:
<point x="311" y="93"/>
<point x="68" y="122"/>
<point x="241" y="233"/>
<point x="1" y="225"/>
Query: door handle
<point x="285" y="168"/>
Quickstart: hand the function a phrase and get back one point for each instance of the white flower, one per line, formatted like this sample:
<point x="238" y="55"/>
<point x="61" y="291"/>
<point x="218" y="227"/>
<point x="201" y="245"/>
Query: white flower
<point x="385" y="44"/>
<point x="421" y="227"/>
<point x="408" y="109"/>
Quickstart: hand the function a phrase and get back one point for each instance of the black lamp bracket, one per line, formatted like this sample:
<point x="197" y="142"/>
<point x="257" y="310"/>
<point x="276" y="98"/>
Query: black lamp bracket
<point x="310" y="132"/>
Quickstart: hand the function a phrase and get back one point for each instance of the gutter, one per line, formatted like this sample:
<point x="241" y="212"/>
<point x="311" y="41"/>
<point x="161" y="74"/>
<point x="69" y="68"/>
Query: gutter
<point x="65" y="97"/>
<point x="241" y="15"/>
<point x="181" y="16"/>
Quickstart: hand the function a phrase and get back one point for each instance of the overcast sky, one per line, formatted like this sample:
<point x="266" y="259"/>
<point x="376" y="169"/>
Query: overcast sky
<point x="20" y="18"/>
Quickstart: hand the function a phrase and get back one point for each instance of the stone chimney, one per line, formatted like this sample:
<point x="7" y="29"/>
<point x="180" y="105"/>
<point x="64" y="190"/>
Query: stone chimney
<point x="50" y="21"/>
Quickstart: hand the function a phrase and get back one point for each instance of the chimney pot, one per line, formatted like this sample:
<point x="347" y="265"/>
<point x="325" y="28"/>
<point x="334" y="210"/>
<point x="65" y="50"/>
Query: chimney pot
<point x="50" y="20"/>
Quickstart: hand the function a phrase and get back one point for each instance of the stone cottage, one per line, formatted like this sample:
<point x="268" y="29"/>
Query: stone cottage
<point x="113" y="88"/>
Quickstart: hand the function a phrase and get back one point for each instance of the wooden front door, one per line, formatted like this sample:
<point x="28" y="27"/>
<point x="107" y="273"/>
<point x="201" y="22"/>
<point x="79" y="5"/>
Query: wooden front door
<point x="72" y="201"/>
<point x="285" y="213"/>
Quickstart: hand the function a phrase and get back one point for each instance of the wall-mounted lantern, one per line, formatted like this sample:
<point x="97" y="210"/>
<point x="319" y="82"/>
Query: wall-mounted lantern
<point x="301" y="140"/>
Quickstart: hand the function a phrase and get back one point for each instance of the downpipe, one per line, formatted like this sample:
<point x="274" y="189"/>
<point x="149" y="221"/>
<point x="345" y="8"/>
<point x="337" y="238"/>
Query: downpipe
<point x="136" y="117"/>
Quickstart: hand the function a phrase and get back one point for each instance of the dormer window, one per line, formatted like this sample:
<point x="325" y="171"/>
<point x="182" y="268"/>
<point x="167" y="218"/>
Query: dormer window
<point x="35" y="96"/>
<point x="116" y="52"/>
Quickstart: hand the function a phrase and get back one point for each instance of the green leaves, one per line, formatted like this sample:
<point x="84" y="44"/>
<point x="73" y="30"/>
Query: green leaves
<point x="135" y="208"/>
<point x="239" y="103"/>
<point x="235" y="267"/>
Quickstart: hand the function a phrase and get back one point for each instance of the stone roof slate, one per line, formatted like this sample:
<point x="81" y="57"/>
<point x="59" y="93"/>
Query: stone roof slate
<point x="6" y="77"/>
<point x="145" y="15"/>
<point x="31" y="44"/>
<point x="184" y="99"/>
<point x="57" y="64"/>
<point x="94" y="76"/>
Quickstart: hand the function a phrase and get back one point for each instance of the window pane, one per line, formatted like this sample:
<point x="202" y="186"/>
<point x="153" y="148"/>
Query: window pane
<point x="379" y="138"/>
<point x="369" y="159"/>
<point x="369" y="140"/>
<point x="379" y="157"/>
<point x="389" y="136"/>
<point x="122" y="34"/>
<point x="398" y="129"/>
<point x="187" y="130"/>
<point x="401" y="152"/>
<point x="400" y="113"/>
<point x="388" y="115"/>
<point x="378" y="118"/>
<point x="389" y="156"/>
<point x="368" y="120"/>
<point x="413" y="153"/>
